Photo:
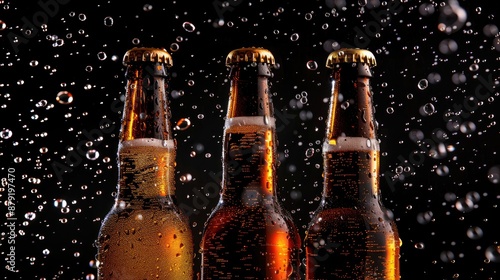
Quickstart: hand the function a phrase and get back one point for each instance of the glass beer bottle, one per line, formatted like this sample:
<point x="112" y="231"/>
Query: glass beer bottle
<point x="145" y="235"/>
<point x="248" y="234"/>
<point x="351" y="234"/>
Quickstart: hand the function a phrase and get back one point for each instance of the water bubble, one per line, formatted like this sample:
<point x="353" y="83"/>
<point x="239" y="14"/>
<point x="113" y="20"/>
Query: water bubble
<point x="108" y="21"/>
<point x="182" y="124"/>
<point x="474" y="233"/>
<point x="448" y="46"/>
<point x="490" y="30"/>
<point x="189" y="27"/>
<point x="46" y="252"/>
<point x="452" y="17"/>
<point x="30" y="216"/>
<point x="309" y="152"/>
<point x="426" y="9"/>
<point x="492" y="253"/>
<point x="442" y="170"/>
<point x="494" y="174"/>
<point x="174" y="47"/>
<point x="176" y="93"/>
<point x="147" y="7"/>
<point x="186" y="178"/>
<point x="136" y="41"/>
<point x="60" y="203"/>
<point x="473" y="67"/>
<point x="294" y="37"/>
<point x="419" y="245"/>
<point x="101" y="56"/>
<point x="308" y="16"/>
<point x="427" y="109"/>
<point x="425" y="217"/>
<point x="92" y="154"/>
<point x="458" y="78"/>
<point x="64" y="97"/>
<point x="3" y="25"/>
<point x="41" y="103"/>
<point x="389" y="110"/>
<point x="312" y="65"/>
<point x="423" y="84"/>
<point x="467" y="127"/>
<point x="34" y="63"/>
<point x="447" y="256"/>
<point x="5" y="133"/>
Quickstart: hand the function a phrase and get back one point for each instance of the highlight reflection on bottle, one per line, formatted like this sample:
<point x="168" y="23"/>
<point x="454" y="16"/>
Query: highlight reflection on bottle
<point x="249" y="235"/>
<point x="351" y="234"/>
<point x="145" y="235"/>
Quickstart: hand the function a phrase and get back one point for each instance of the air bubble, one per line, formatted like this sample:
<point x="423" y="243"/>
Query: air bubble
<point x="312" y="65"/>
<point x="182" y="124"/>
<point x="294" y="37"/>
<point x="494" y="174"/>
<point x="108" y="21"/>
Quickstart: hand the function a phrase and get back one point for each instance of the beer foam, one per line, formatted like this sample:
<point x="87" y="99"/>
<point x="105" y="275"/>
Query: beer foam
<point x="250" y="120"/>
<point x="345" y="144"/>
<point x="148" y="142"/>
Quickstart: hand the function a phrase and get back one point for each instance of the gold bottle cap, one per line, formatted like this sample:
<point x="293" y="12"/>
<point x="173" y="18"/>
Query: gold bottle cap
<point x="259" y="55"/>
<point x="147" y="55"/>
<point x="351" y="56"/>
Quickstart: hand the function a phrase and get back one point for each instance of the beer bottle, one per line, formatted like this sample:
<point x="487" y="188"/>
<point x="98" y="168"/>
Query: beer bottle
<point x="145" y="236"/>
<point x="351" y="234"/>
<point x="249" y="235"/>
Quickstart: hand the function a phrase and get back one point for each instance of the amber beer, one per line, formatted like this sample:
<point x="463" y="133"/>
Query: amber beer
<point x="249" y="235"/>
<point x="351" y="235"/>
<point x="145" y="236"/>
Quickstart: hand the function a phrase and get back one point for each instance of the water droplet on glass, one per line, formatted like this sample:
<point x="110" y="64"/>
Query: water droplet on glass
<point x="492" y="253"/>
<point x="294" y="37"/>
<point x="64" y="97"/>
<point x="474" y="233"/>
<point x="101" y="56"/>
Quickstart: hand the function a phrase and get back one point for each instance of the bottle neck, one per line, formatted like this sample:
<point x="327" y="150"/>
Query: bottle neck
<point x="146" y="150"/>
<point x="351" y="150"/>
<point x="249" y="151"/>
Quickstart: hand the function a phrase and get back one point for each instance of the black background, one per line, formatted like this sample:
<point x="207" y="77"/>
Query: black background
<point x="447" y="220"/>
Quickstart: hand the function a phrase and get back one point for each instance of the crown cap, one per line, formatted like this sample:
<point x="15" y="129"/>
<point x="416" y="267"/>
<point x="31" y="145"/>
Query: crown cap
<point x="346" y="55"/>
<point x="259" y="55"/>
<point x="140" y="54"/>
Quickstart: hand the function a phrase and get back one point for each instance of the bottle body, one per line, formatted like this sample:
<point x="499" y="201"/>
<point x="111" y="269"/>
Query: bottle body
<point x="249" y="235"/>
<point x="351" y="234"/>
<point x="352" y="239"/>
<point x="145" y="235"/>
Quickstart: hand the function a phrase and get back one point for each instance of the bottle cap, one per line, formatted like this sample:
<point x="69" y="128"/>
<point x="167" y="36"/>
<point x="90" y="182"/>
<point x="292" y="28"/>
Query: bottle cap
<point x="350" y="56"/>
<point x="147" y="55"/>
<point x="259" y="55"/>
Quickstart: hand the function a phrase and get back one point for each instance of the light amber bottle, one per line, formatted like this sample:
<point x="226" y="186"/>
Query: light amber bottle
<point x="249" y="235"/>
<point x="145" y="235"/>
<point x="351" y="235"/>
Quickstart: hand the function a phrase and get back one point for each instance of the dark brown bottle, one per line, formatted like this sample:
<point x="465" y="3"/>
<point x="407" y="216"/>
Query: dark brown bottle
<point x="145" y="236"/>
<point x="351" y="235"/>
<point x="249" y="235"/>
